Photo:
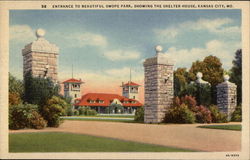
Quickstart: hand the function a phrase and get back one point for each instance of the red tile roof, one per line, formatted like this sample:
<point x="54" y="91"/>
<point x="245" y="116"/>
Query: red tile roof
<point x="72" y="80"/>
<point x="131" y="84"/>
<point x="107" y="100"/>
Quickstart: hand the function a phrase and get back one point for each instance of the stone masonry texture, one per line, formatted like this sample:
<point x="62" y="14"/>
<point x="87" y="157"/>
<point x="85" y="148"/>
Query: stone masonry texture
<point x="39" y="54"/>
<point x="159" y="88"/>
<point x="227" y="97"/>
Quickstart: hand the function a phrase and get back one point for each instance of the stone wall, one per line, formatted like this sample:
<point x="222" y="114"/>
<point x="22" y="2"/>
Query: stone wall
<point x="158" y="87"/>
<point x="227" y="97"/>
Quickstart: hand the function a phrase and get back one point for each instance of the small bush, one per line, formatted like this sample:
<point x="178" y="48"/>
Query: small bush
<point x="54" y="108"/>
<point x="70" y="112"/>
<point x="139" y="115"/>
<point x="76" y="112"/>
<point x="25" y="116"/>
<point x="190" y="102"/>
<point x="37" y="121"/>
<point x="81" y="110"/>
<point x="203" y="115"/>
<point x="217" y="116"/>
<point x="237" y="114"/>
<point x="179" y="114"/>
<point x="91" y="112"/>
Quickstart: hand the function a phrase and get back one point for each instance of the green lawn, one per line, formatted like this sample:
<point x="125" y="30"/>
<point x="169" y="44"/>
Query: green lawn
<point x="225" y="127"/>
<point x="68" y="142"/>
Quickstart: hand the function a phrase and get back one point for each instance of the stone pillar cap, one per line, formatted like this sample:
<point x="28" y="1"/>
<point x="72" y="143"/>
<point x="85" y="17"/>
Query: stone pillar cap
<point x="158" y="49"/>
<point x="40" y="33"/>
<point x="226" y="78"/>
<point x="199" y="80"/>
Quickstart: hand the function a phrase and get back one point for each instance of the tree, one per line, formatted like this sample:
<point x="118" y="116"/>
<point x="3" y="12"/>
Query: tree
<point x="212" y="70"/>
<point x="15" y="85"/>
<point x="236" y="74"/>
<point x="180" y="80"/>
<point x="39" y="90"/>
<point x="16" y="90"/>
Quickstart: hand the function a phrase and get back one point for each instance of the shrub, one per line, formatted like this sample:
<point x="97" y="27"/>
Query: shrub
<point x="76" y="112"/>
<point x="25" y="116"/>
<point x="70" y="112"/>
<point x="54" y="108"/>
<point x="203" y="115"/>
<point x="139" y="115"/>
<point x="37" y="121"/>
<point x="237" y="114"/>
<point x="91" y="112"/>
<point x="190" y="102"/>
<point x="179" y="114"/>
<point x="86" y="111"/>
<point x="217" y="116"/>
<point x="81" y="110"/>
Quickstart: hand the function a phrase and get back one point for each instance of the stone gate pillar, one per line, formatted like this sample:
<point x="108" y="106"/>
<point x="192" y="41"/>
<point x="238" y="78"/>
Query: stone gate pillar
<point x="227" y="97"/>
<point x="159" y="86"/>
<point x="41" y="57"/>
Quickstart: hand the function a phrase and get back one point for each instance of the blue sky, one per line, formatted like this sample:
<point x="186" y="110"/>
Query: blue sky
<point x="104" y="44"/>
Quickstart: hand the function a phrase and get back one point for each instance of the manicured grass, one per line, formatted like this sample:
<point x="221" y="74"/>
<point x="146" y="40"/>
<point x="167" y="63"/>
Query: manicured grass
<point x="225" y="127"/>
<point x="68" y="142"/>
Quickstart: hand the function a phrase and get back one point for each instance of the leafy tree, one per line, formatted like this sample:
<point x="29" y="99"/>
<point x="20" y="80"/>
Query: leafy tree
<point x="16" y="90"/>
<point x="180" y="80"/>
<point x="39" y="90"/>
<point x="236" y="74"/>
<point x="212" y="70"/>
<point x="202" y="93"/>
<point x="15" y="85"/>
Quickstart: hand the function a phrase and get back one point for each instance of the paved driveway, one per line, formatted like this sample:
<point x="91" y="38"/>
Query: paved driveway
<point x="173" y="135"/>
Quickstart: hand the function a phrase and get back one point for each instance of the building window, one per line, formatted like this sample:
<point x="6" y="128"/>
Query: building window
<point x="133" y="97"/>
<point x="75" y="95"/>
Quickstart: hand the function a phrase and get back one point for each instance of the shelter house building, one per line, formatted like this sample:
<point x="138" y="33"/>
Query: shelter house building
<point x="108" y="103"/>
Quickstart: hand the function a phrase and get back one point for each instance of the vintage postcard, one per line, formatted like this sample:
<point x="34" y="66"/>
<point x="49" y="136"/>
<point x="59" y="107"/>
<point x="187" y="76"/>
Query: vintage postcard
<point x="124" y="80"/>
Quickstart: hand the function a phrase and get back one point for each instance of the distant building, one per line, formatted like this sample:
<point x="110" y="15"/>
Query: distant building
<point x="40" y="57"/>
<point x="130" y="90"/>
<point x="102" y="101"/>
<point x="72" y="88"/>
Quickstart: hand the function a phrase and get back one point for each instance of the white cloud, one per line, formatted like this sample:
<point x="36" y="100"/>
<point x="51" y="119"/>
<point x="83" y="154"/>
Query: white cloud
<point x="168" y="34"/>
<point x="21" y="33"/>
<point x="121" y="55"/>
<point x="223" y="50"/>
<point x="215" y="26"/>
<point x="87" y="39"/>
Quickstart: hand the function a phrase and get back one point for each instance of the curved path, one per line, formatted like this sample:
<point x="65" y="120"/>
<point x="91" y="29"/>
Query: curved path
<point x="173" y="135"/>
